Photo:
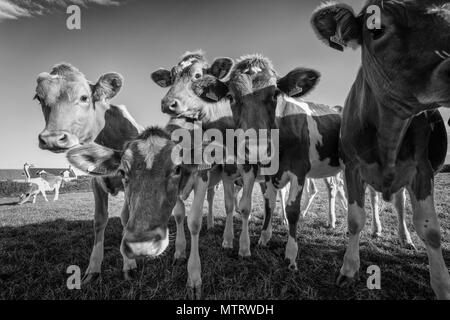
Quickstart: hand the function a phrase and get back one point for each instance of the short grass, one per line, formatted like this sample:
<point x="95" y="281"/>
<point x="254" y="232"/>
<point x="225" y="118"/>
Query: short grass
<point x="39" y="241"/>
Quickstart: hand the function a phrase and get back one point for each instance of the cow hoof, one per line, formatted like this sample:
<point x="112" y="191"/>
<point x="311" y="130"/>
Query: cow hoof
<point x="330" y="226"/>
<point x="194" y="292"/>
<point x="343" y="281"/>
<point x="292" y="266"/>
<point x="90" y="278"/>
<point x="227" y="244"/>
<point x="376" y="234"/>
<point x="244" y="253"/>
<point x="179" y="261"/>
<point x="264" y="238"/>
<point x="408" y="246"/>
<point x="129" y="275"/>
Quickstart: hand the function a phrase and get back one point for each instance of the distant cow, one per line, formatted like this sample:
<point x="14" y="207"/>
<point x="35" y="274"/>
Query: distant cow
<point x="45" y="182"/>
<point x="392" y="137"/>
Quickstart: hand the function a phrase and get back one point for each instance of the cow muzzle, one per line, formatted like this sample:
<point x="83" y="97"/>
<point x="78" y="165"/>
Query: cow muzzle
<point x="57" y="141"/>
<point x="148" y="244"/>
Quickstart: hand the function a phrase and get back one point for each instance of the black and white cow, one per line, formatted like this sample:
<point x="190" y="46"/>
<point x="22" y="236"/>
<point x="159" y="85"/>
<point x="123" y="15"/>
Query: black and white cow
<point x="391" y="137"/>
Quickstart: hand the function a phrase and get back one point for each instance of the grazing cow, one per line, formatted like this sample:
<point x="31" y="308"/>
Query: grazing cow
<point x="392" y="136"/>
<point x="196" y="94"/>
<point x="154" y="180"/>
<point x="45" y="182"/>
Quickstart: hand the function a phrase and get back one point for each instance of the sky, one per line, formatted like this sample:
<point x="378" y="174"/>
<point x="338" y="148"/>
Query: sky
<point x="135" y="38"/>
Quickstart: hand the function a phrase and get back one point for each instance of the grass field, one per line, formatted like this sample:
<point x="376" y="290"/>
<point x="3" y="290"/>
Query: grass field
<point x="38" y="242"/>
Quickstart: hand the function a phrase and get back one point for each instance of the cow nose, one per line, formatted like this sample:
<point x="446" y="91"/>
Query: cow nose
<point x="170" y="105"/>
<point x="55" y="141"/>
<point x="150" y="243"/>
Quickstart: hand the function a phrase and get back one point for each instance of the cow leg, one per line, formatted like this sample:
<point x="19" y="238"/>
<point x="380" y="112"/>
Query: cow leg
<point x="194" y="282"/>
<point x="245" y="207"/>
<point x="44" y="195"/>
<point x="230" y="198"/>
<point x="282" y="194"/>
<point x="356" y="220"/>
<point x="100" y="221"/>
<point x="293" y="215"/>
<point x="341" y="191"/>
<point x="403" y="232"/>
<point x="210" y="217"/>
<point x="311" y="194"/>
<point x="179" y="212"/>
<point x="332" y="191"/>
<point x="34" y="198"/>
<point x="375" y="202"/>
<point x="270" y="199"/>
<point x="129" y="265"/>
<point x="56" y="193"/>
<point x="427" y="227"/>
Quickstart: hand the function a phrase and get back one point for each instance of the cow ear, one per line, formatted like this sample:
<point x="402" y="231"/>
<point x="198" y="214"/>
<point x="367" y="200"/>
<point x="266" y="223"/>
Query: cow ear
<point x="95" y="159"/>
<point x="162" y="77"/>
<point x="210" y="89"/>
<point x="298" y="82"/>
<point x="337" y="26"/>
<point x="108" y="86"/>
<point x="221" y="68"/>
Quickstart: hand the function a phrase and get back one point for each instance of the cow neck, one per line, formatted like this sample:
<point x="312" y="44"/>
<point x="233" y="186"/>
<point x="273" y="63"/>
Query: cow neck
<point x="391" y="128"/>
<point x="115" y="127"/>
<point x="402" y="106"/>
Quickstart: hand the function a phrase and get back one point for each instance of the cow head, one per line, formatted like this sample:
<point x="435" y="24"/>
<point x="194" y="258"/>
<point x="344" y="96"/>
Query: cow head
<point x="405" y="59"/>
<point x="71" y="106"/>
<point x="152" y="179"/>
<point x="193" y="84"/>
<point x="255" y="87"/>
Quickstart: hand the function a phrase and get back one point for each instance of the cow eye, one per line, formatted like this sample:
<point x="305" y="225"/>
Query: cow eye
<point x="123" y="175"/>
<point x="177" y="171"/>
<point x="84" y="98"/>
<point x="197" y="75"/>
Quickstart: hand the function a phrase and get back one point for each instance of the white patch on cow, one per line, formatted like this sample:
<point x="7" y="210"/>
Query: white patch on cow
<point x="150" y="148"/>
<point x="130" y="118"/>
<point x="291" y="252"/>
<point x="294" y="189"/>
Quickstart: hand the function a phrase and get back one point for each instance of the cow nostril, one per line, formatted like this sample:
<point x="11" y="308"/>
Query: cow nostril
<point x="42" y="141"/>
<point x="157" y="238"/>
<point x="63" y="138"/>
<point x="173" y="106"/>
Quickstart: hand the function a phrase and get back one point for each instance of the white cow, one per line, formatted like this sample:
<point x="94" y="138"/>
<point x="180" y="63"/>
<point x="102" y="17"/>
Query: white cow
<point x="45" y="182"/>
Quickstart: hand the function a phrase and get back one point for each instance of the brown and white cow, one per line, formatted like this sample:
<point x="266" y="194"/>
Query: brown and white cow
<point x="154" y="180"/>
<point x="77" y="112"/>
<point x="391" y="137"/>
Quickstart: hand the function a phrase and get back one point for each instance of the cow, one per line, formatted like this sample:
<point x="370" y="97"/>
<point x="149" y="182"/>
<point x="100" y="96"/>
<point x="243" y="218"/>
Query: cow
<point x="77" y="112"/>
<point x="45" y="182"/>
<point x="392" y="135"/>
<point x="154" y="179"/>
<point x="195" y="94"/>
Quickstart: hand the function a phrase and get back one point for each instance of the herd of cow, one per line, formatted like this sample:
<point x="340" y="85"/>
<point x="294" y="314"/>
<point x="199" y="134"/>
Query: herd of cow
<point x="390" y="137"/>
